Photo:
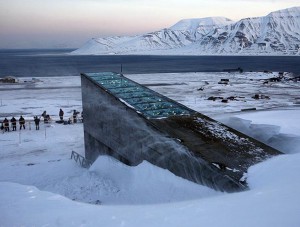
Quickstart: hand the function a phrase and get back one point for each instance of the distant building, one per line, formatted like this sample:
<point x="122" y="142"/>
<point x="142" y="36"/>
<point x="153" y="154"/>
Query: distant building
<point x="132" y="123"/>
<point x="9" y="79"/>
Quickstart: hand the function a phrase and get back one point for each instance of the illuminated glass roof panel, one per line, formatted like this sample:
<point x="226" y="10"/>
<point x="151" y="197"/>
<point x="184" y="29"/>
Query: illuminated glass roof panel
<point x="132" y="89"/>
<point x="131" y="95"/>
<point x="161" y="113"/>
<point x="146" y="101"/>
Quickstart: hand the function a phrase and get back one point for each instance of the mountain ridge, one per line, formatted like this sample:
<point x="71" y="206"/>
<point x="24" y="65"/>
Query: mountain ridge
<point x="277" y="33"/>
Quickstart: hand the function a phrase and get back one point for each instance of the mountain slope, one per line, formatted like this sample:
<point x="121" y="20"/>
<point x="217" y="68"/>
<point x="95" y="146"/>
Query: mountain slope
<point x="183" y="33"/>
<point x="278" y="33"/>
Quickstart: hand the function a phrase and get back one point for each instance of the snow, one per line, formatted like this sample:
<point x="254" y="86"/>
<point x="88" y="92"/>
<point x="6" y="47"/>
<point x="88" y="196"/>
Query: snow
<point x="277" y="33"/>
<point x="294" y="11"/>
<point x="288" y="125"/>
<point x="194" y="90"/>
<point x="274" y="34"/>
<point x="199" y="23"/>
<point x="41" y="186"/>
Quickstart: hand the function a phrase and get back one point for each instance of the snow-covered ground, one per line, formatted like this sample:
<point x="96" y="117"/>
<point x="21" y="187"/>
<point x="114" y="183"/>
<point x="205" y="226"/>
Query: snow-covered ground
<point x="41" y="186"/>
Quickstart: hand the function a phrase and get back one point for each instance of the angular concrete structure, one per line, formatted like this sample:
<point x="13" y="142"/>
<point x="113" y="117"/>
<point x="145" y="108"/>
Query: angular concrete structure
<point x="133" y="123"/>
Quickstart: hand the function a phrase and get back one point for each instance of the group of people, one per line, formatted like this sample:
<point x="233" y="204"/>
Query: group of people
<point x="72" y="119"/>
<point x="13" y="120"/>
<point x="46" y="117"/>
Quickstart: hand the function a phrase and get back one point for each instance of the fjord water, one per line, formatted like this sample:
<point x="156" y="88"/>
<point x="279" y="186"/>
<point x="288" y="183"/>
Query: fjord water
<point x="39" y="63"/>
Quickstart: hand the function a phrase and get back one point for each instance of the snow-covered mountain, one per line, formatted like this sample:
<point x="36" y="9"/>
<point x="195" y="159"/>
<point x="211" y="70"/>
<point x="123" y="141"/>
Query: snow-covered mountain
<point x="278" y="33"/>
<point x="183" y="33"/>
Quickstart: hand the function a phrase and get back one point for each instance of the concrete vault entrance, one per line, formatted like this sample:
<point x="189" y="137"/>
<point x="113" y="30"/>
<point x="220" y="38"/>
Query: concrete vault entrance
<point x="133" y="123"/>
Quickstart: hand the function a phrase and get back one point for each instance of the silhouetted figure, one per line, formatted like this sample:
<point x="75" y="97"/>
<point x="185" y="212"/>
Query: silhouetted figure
<point x="37" y="123"/>
<point x="47" y="118"/>
<point x="14" y="123"/>
<point x="6" y="125"/>
<point x="44" y="114"/>
<point x="61" y="114"/>
<point x="75" y="116"/>
<point x="22" y="122"/>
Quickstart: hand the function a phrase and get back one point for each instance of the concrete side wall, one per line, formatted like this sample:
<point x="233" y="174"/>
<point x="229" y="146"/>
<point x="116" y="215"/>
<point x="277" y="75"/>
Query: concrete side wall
<point x="111" y="127"/>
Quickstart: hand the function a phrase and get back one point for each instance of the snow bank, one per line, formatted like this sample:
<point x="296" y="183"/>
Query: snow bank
<point x="286" y="119"/>
<point x="272" y="201"/>
<point x="278" y="128"/>
<point x="146" y="183"/>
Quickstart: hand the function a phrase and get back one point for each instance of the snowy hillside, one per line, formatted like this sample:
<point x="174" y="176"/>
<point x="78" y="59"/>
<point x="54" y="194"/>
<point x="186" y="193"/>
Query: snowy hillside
<point x="201" y="26"/>
<point x="183" y="33"/>
<point x="278" y="33"/>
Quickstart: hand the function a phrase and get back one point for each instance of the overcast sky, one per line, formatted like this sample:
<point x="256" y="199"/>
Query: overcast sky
<point x="69" y="23"/>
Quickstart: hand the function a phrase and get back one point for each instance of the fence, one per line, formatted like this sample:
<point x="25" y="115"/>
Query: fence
<point x="81" y="160"/>
<point x="30" y="125"/>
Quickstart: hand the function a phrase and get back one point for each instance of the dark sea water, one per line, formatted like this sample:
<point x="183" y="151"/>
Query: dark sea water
<point x="36" y="63"/>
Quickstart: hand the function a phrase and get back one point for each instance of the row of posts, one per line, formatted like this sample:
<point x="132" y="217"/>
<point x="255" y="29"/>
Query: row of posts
<point x="28" y="122"/>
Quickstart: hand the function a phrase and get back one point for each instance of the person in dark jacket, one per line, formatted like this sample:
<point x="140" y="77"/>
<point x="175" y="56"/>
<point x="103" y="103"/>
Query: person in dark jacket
<point x="6" y="125"/>
<point x="22" y="122"/>
<point x="14" y="123"/>
<point x="37" y="123"/>
<point x="47" y="119"/>
<point x="61" y="114"/>
<point x="44" y="114"/>
<point x="75" y="116"/>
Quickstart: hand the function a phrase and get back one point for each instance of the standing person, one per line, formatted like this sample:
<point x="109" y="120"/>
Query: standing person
<point x="6" y="125"/>
<point x="44" y="114"/>
<point x="61" y="114"/>
<point x="75" y="116"/>
<point x="22" y="122"/>
<point x="37" y="123"/>
<point x="14" y="123"/>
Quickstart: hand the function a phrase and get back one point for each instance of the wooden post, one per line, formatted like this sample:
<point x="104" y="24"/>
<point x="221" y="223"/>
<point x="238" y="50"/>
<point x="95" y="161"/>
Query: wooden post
<point x="45" y="133"/>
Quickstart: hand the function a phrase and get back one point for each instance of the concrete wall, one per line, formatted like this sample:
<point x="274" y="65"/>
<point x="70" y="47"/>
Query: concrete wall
<point x="111" y="127"/>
